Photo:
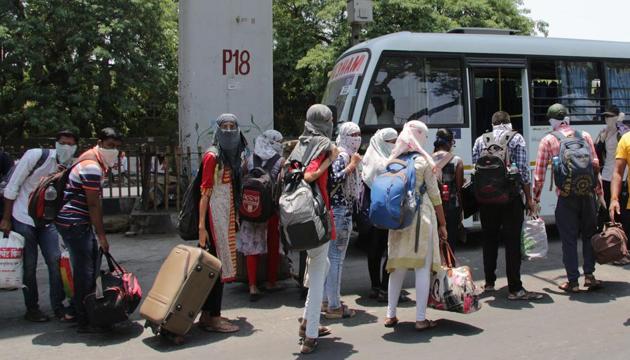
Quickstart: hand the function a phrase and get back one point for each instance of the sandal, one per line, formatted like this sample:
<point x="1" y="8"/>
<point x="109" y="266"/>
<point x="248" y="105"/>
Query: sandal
<point x="308" y="345"/>
<point x="322" y="331"/>
<point x="224" y="327"/>
<point x="525" y="295"/>
<point x="591" y="283"/>
<point x="570" y="287"/>
<point x="390" y="322"/>
<point x="343" y="312"/>
<point x="426" y="324"/>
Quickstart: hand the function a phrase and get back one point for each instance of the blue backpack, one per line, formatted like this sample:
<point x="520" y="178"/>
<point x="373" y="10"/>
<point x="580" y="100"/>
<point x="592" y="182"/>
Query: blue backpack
<point x="394" y="199"/>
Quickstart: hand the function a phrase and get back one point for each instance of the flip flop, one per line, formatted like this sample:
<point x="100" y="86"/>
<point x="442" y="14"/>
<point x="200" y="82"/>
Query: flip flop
<point x="570" y="287"/>
<point x="225" y="328"/>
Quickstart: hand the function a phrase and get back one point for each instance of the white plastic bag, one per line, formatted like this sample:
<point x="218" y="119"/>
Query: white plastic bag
<point x="11" y="260"/>
<point x="534" y="243"/>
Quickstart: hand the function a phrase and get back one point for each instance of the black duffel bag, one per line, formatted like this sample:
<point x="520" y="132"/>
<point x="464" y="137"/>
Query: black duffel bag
<point x="116" y="296"/>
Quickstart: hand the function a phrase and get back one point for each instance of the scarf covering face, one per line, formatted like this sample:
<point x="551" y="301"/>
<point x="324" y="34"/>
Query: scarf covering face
<point x="231" y="144"/>
<point x="268" y="145"/>
<point x="316" y="136"/>
<point x="412" y="138"/>
<point x="555" y="123"/>
<point x="350" y="145"/>
<point x="377" y="154"/>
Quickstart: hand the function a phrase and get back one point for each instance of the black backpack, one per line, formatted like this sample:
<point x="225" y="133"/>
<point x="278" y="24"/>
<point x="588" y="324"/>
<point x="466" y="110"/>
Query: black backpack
<point x="257" y="197"/>
<point x="492" y="185"/>
<point x="188" y="218"/>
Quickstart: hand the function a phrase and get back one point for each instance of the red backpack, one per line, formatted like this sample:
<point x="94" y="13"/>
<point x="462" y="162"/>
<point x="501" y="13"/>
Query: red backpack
<point x="257" y="204"/>
<point x="46" y="200"/>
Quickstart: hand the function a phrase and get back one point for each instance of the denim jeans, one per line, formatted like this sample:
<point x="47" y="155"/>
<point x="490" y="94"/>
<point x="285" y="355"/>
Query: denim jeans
<point x="48" y="240"/>
<point x="81" y="244"/>
<point x="336" y="255"/>
<point x="576" y="217"/>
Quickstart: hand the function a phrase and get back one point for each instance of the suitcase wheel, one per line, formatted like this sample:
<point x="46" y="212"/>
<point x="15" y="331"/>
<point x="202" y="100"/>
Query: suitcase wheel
<point x="211" y="275"/>
<point x="178" y="307"/>
<point x="198" y="268"/>
<point x="175" y="339"/>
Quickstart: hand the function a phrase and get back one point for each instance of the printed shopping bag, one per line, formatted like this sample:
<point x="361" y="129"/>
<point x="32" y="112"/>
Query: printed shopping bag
<point x="11" y="260"/>
<point x="66" y="274"/>
<point x="534" y="243"/>
<point x="452" y="288"/>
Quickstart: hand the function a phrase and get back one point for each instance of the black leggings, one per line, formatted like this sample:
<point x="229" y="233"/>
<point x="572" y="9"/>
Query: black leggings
<point x="376" y="249"/>
<point x="213" y="303"/>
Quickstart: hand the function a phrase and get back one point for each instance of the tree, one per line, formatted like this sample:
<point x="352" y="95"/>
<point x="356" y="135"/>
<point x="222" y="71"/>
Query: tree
<point x="87" y="64"/>
<point x="310" y="35"/>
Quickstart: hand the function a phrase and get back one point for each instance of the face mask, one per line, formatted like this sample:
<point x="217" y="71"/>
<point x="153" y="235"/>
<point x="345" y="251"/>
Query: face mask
<point x="228" y="139"/>
<point x="109" y="156"/>
<point x="611" y="121"/>
<point x="354" y="142"/>
<point x="555" y="123"/>
<point x="277" y="147"/>
<point x="64" y="152"/>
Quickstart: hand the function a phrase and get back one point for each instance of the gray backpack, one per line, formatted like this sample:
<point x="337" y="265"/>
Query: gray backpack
<point x="573" y="166"/>
<point x="303" y="214"/>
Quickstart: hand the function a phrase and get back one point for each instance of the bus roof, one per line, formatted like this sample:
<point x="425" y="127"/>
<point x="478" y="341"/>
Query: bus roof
<point x="495" y="45"/>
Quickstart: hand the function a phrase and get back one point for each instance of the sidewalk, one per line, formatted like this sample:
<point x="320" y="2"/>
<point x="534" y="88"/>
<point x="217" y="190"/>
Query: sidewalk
<point x="579" y="326"/>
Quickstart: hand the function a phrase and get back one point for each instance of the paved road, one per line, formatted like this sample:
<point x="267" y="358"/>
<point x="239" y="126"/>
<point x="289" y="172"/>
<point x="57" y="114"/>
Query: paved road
<point x="581" y="326"/>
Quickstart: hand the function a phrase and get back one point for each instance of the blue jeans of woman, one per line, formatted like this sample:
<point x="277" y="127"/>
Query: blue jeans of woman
<point x="83" y="250"/>
<point x="48" y="240"/>
<point x="336" y="256"/>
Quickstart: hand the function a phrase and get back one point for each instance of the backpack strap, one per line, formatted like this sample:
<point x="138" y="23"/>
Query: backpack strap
<point x="42" y="159"/>
<point x="271" y="163"/>
<point x="256" y="160"/>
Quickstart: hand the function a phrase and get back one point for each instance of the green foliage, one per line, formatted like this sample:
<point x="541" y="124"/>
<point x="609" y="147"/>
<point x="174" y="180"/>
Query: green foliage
<point x="310" y="35"/>
<point x="87" y="64"/>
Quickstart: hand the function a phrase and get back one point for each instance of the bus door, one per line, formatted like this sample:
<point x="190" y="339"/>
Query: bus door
<point x="497" y="85"/>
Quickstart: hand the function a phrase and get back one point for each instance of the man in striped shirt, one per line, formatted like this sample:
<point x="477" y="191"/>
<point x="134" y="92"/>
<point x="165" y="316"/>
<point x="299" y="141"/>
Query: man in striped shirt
<point x="82" y="216"/>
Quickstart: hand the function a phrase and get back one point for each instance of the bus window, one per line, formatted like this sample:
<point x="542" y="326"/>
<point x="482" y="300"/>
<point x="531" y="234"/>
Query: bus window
<point x="341" y="89"/>
<point x="575" y="84"/>
<point x="408" y="87"/>
<point x="618" y="84"/>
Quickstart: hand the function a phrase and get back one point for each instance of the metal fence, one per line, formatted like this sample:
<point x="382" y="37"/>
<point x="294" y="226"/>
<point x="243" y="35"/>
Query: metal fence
<point x="153" y="170"/>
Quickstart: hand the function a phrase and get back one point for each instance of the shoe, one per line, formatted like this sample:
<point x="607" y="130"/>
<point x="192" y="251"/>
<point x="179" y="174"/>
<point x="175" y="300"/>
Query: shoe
<point x="525" y="295"/>
<point x="36" y="316"/>
<point x="343" y="312"/>
<point x="489" y="287"/>
<point x="65" y="316"/>
<point x="623" y="262"/>
<point x="374" y="293"/>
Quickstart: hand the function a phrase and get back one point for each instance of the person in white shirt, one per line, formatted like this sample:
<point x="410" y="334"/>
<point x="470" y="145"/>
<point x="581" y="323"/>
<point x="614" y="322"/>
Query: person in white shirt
<point x="35" y="164"/>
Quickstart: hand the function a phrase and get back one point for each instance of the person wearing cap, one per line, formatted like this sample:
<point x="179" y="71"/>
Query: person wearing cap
<point x="606" y="146"/>
<point x="570" y="210"/>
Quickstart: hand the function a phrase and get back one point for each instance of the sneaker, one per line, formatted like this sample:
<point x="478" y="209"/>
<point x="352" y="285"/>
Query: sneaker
<point x="36" y="316"/>
<point x="488" y="287"/>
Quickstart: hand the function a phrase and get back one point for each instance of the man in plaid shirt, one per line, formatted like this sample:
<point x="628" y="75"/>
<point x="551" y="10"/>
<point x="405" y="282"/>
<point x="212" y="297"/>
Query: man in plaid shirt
<point x="570" y="210"/>
<point x="507" y="217"/>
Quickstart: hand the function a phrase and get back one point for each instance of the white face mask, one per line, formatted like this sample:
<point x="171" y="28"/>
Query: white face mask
<point x="611" y="121"/>
<point x="555" y="123"/>
<point x="65" y="152"/>
<point x="109" y="156"/>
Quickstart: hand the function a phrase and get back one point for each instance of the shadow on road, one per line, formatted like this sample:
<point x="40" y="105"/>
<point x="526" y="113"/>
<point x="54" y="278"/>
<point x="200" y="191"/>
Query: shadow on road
<point x="68" y="335"/>
<point x="405" y="332"/>
<point x="498" y="299"/>
<point x="361" y="318"/>
<point x="197" y="337"/>
<point x="329" y="349"/>
<point x="611" y="291"/>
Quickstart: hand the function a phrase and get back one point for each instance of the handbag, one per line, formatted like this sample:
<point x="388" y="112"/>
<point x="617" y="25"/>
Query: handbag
<point x="469" y="201"/>
<point x="452" y="288"/>
<point x="116" y="296"/>
<point x="611" y="244"/>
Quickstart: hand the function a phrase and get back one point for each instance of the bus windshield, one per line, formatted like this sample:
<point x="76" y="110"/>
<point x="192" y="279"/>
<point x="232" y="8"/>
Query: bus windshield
<point x="341" y="89"/>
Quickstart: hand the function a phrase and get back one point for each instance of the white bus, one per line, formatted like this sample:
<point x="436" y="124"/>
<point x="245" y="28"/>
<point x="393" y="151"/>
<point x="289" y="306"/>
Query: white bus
<point x="458" y="80"/>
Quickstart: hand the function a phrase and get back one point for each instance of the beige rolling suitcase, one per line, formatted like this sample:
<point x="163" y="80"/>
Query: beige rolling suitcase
<point x="179" y="291"/>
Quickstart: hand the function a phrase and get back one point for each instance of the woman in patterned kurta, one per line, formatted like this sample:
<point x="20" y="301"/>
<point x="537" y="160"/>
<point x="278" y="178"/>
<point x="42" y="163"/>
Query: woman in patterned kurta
<point x="217" y="208"/>
<point x="408" y="249"/>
